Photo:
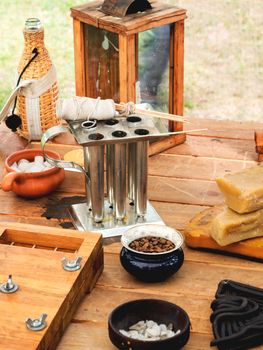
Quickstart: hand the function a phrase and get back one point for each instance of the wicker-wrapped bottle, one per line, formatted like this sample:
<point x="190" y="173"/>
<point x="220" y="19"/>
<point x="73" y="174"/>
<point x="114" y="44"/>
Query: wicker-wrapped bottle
<point x="37" y="106"/>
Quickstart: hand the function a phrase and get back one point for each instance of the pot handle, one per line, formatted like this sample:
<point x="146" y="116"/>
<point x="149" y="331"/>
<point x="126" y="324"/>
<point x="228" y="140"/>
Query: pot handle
<point x="7" y="182"/>
<point x="67" y="165"/>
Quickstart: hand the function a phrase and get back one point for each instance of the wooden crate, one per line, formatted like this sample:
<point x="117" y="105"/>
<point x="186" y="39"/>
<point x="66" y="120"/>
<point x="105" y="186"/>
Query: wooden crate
<point x="32" y="254"/>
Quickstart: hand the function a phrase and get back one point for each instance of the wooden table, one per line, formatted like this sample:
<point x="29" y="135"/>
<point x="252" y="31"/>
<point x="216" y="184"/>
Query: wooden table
<point x="181" y="183"/>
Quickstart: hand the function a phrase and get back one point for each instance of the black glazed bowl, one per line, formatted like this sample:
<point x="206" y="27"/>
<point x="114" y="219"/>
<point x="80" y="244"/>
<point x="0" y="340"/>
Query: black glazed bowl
<point x="152" y="267"/>
<point x="159" y="311"/>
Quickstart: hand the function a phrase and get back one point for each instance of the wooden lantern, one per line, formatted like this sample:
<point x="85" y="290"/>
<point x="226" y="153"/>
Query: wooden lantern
<point x="110" y="61"/>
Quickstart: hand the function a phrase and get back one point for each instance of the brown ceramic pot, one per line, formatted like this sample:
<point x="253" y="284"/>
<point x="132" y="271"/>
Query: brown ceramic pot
<point x="31" y="185"/>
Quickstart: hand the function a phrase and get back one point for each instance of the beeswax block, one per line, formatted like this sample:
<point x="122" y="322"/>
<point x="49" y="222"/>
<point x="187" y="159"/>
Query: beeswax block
<point x="229" y="227"/>
<point x="243" y="190"/>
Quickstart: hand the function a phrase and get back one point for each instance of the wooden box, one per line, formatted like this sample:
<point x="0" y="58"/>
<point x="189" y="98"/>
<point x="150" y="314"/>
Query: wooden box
<point x="108" y="57"/>
<point x="32" y="255"/>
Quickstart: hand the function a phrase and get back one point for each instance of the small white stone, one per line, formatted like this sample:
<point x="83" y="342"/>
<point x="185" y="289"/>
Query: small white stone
<point x="123" y="332"/>
<point x="163" y="333"/>
<point x="170" y="333"/>
<point x="150" y="323"/>
<point x="153" y="332"/>
<point x="134" y="334"/>
<point x="177" y="332"/>
<point x="152" y="339"/>
<point x="170" y="326"/>
<point x="39" y="160"/>
<point x="163" y="327"/>
<point x="139" y="326"/>
<point x="141" y="337"/>
<point x="150" y="331"/>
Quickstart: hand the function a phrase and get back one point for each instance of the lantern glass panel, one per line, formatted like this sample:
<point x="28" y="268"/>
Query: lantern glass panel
<point x="153" y="68"/>
<point x="102" y="68"/>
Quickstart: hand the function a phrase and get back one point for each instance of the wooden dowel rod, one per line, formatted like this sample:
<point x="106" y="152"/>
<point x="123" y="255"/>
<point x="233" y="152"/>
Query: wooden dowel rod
<point x="186" y="131"/>
<point x="161" y="115"/>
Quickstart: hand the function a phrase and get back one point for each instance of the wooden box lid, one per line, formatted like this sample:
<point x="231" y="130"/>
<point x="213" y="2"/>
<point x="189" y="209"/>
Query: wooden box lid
<point x="32" y="254"/>
<point x="160" y="14"/>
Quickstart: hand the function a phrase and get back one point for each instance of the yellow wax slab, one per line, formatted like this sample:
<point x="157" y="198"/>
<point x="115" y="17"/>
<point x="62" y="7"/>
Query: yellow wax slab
<point x="243" y="190"/>
<point x="230" y="227"/>
<point x="75" y="156"/>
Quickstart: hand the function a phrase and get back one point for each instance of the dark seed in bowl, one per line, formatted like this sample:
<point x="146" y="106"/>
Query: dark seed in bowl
<point x="152" y="244"/>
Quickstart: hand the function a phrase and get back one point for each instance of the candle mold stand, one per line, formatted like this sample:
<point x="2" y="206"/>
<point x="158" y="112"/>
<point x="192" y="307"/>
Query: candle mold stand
<point x="121" y="146"/>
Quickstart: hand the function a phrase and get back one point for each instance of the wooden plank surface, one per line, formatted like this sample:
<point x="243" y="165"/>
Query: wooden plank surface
<point x="181" y="184"/>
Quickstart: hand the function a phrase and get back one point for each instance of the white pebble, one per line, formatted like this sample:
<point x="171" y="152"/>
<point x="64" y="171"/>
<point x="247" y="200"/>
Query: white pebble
<point x="150" y="324"/>
<point x="149" y="331"/>
<point x="39" y="160"/>
<point x="139" y="326"/>
<point x="163" y="327"/>
<point x="123" y="332"/>
<point x="170" y="326"/>
<point x="153" y="332"/>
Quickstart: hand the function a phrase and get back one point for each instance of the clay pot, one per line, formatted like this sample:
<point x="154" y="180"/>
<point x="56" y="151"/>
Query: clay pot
<point x="31" y="185"/>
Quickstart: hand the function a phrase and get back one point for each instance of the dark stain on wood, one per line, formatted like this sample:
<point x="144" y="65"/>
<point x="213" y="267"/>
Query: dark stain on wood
<point x="58" y="208"/>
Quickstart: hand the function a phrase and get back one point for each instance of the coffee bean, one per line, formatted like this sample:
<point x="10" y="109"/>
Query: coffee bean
<point x="152" y="244"/>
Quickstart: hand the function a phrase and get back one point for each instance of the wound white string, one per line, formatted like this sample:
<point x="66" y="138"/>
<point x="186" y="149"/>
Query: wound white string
<point x="85" y="108"/>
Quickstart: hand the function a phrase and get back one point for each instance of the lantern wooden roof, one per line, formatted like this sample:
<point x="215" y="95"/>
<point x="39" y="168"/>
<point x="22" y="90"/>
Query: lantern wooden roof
<point x="160" y="14"/>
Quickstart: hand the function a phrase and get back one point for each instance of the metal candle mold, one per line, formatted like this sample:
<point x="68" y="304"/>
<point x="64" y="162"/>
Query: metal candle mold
<point x="122" y="145"/>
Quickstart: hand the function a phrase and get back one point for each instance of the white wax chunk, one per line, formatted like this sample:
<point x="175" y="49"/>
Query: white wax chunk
<point x="23" y="161"/>
<point x="39" y="160"/>
<point x="34" y="168"/>
<point x="23" y="166"/>
<point x="47" y="165"/>
<point x="15" y="167"/>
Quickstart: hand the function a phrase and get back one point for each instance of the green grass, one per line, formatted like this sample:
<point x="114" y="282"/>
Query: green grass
<point x="223" y="52"/>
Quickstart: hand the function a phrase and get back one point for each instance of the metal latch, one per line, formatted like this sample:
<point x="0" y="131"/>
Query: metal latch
<point x="9" y="286"/>
<point x="71" y="265"/>
<point x="37" y="324"/>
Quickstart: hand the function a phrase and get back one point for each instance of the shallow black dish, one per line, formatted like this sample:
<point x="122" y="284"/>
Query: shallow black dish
<point x="159" y="311"/>
<point x="152" y="267"/>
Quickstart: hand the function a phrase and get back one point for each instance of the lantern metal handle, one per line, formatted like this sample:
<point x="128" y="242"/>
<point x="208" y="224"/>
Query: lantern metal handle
<point x="121" y="8"/>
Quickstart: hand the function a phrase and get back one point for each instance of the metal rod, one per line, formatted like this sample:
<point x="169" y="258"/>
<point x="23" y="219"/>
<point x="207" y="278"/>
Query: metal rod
<point x="87" y="170"/>
<point x="120" y="180"/>
<point x="110" y="173"/>
<point x="131" y="170"/>
<point x="141" y="178"/>
<point x="94" y="156"/>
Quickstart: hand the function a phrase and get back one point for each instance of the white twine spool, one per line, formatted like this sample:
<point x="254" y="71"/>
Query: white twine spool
<point x="85" y="108"/>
